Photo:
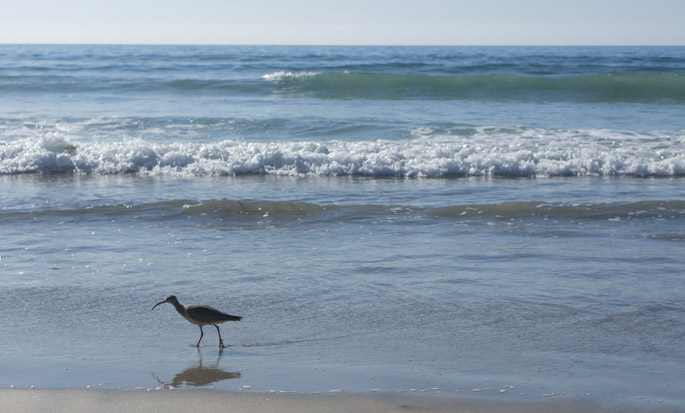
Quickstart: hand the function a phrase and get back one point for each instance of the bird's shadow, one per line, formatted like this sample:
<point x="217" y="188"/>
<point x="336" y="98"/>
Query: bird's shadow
<point x="199" y="375"/>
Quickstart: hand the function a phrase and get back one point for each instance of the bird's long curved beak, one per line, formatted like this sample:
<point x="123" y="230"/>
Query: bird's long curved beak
<point x="158" y="304"/>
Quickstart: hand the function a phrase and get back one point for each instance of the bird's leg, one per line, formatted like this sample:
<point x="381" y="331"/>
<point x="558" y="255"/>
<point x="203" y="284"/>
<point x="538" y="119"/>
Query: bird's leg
<point x="221" y="342"/>
<point x="201" y="334"/>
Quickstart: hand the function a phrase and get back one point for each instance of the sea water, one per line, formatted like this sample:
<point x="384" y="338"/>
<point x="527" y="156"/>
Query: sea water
<point x="506" y="221"/>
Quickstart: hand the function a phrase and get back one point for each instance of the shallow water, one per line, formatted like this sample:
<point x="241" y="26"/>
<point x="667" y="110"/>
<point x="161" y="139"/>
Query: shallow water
<point x="367" y="244"/>
<point x="417" y="295"/>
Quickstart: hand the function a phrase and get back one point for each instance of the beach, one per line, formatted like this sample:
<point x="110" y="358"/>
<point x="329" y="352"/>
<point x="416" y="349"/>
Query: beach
<point x="401" y="228"/>
<point x="205" y="401"/>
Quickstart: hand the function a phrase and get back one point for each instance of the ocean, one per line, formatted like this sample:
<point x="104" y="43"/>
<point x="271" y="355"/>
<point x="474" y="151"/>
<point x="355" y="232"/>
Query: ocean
<point x="504" y="222"/>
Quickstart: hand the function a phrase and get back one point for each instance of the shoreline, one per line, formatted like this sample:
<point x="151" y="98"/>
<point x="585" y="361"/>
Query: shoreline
<point x="75" y="400"/>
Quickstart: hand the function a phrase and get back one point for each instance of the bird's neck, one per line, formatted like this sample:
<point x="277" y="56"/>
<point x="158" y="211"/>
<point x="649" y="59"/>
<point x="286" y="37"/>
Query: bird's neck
<point x="181" y="309"/>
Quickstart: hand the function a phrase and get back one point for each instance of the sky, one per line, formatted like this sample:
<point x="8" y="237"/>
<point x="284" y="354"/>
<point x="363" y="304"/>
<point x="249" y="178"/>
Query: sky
<point x="345" y="22"/>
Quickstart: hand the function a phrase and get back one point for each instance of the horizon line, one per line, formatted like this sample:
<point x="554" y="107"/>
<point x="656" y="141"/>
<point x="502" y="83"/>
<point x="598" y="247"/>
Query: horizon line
<point x="331" y="45"/>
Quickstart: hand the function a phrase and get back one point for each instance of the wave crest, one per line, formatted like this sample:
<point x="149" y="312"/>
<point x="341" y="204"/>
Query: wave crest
<point x="521" y="154"/>
<point x="603" y="87"/>
<point x="250" y="209"/>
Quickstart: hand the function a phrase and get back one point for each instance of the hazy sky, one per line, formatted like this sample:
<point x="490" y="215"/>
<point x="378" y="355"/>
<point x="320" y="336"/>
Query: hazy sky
<point x="457" y="22"/>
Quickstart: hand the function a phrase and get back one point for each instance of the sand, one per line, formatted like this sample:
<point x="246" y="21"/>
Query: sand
<point x="85" y="400"/>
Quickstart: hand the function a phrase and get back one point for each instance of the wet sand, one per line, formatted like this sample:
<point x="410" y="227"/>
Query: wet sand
<point x="80" y="400"/>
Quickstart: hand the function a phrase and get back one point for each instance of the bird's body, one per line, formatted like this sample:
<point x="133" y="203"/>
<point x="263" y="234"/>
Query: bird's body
<point x="201" y="315"/>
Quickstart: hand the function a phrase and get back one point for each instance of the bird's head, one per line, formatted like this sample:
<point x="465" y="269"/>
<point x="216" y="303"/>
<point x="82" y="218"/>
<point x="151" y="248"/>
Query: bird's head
<point x="170" y="299"/>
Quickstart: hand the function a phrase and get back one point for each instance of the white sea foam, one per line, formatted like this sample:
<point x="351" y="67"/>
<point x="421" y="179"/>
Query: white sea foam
<point x="282" y="75"/>
<point x="481" y="153"/>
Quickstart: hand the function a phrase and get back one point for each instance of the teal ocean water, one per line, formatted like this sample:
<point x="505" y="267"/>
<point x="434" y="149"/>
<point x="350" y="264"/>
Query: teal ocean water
<point x="502" y="221"/>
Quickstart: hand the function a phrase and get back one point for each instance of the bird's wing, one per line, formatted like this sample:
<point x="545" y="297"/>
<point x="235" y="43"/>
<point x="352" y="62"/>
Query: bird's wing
<point x="209" y="314"/>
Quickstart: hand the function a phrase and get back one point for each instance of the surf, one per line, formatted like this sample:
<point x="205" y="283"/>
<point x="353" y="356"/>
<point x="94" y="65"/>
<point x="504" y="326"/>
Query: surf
<point x="603" y="87"/>
<point x="482" y="151"/>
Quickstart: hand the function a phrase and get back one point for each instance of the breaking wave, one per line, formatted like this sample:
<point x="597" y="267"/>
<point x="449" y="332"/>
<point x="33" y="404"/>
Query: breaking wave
<point x="604" y="87"/>
<point x="500" y="152"/>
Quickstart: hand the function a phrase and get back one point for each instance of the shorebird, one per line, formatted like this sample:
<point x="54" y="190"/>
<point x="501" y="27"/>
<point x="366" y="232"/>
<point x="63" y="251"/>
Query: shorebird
<point x="201" y="315"/>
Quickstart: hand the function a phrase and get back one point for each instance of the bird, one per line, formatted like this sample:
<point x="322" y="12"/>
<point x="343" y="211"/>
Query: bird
<point x="201" y="315"/>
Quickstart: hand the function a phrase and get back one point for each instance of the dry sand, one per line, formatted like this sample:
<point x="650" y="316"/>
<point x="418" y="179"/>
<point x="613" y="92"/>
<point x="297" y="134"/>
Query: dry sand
<point x="83" y="400"/>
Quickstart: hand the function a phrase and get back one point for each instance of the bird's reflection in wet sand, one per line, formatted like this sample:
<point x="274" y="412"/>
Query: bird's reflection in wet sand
<point x="198" y="375"/>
